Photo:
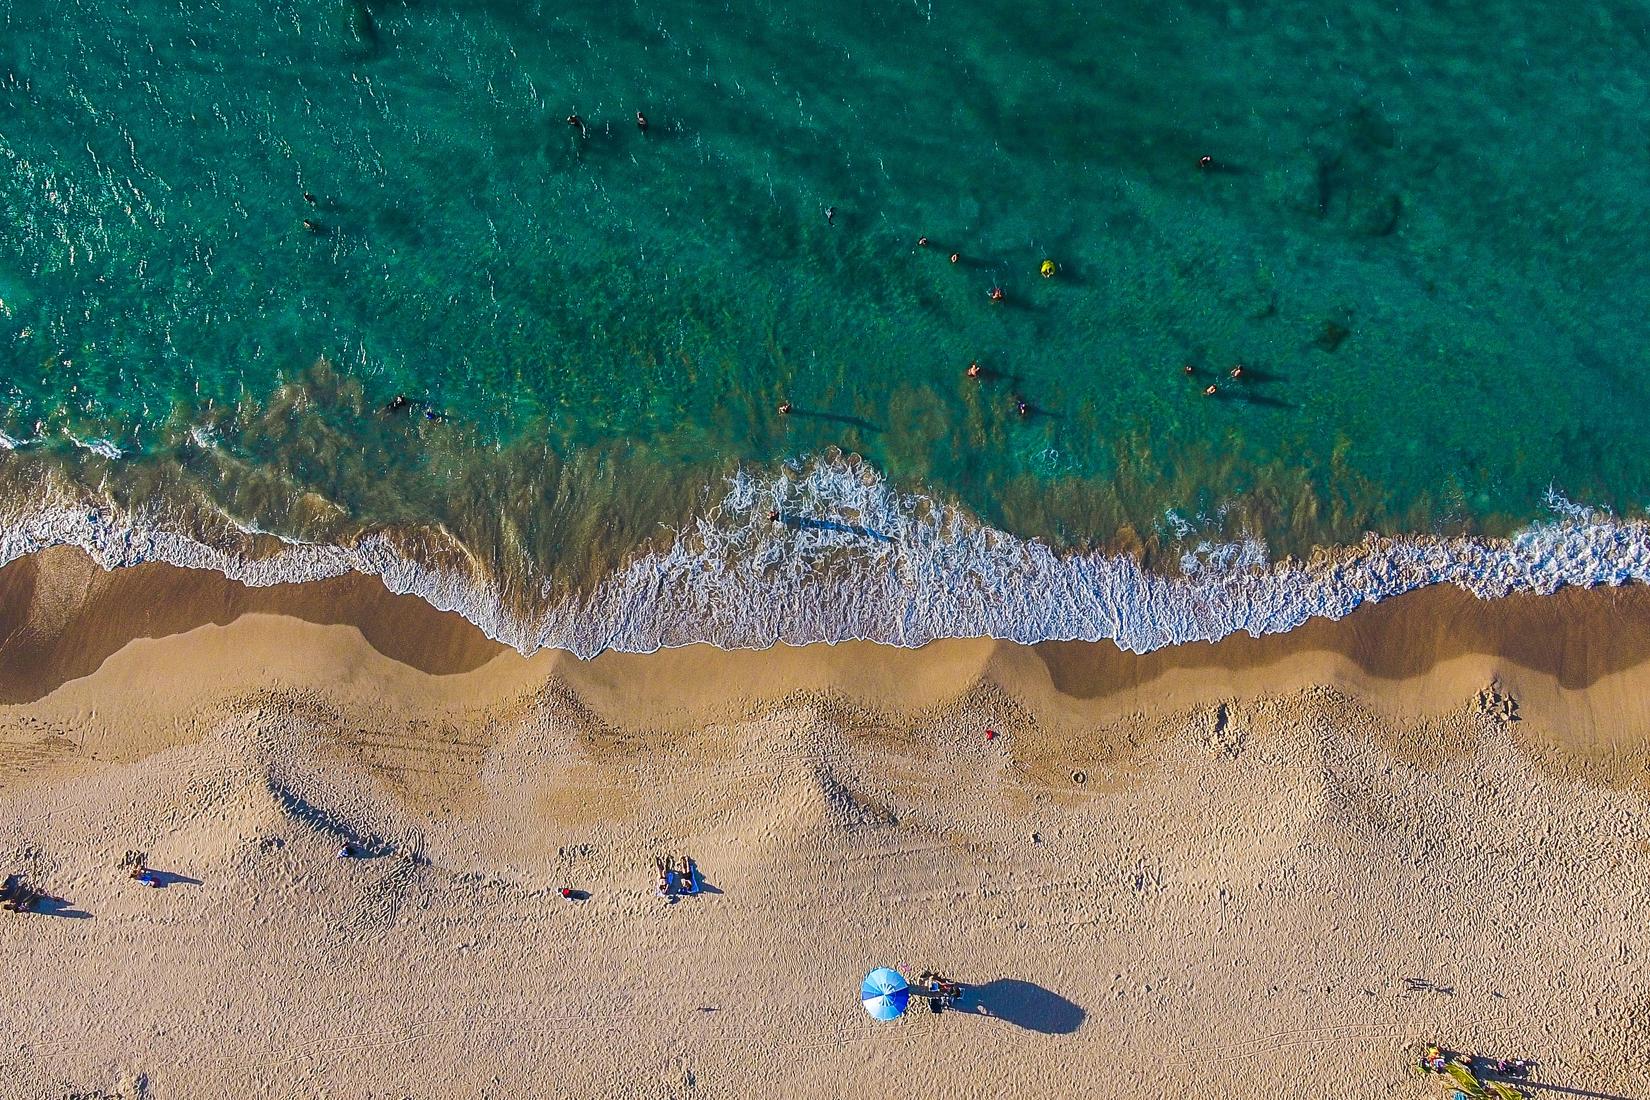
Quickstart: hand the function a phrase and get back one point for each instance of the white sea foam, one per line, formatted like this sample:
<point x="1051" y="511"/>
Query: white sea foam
<point x="853" y="558"/>
<point x="97" y="446"/>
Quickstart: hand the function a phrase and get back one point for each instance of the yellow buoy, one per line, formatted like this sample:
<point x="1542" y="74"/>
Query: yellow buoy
<point x="1048" y="269"/>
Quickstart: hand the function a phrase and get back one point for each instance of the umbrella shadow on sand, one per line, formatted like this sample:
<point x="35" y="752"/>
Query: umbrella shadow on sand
<point x="1024" y="1004"/>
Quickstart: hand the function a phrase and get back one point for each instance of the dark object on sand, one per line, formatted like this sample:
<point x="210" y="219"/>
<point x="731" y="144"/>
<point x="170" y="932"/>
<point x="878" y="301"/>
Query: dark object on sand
<point x="17" y="896"/>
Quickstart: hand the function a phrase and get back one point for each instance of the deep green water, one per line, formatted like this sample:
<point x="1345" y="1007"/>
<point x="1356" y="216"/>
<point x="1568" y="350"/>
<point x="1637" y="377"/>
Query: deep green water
<point x="1424" y="232"/>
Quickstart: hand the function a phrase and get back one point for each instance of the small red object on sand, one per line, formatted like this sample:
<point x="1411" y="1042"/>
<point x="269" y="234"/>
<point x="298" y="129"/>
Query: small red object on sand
<point x="990" y="735"/>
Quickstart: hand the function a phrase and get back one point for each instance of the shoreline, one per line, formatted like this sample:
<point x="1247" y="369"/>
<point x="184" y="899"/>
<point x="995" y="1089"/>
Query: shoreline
<point x="1573" y="658"/>
<point x="893" y="568"/>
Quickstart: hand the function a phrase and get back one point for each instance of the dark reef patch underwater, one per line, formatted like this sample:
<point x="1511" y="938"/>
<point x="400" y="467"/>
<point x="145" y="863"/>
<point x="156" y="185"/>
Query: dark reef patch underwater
<point x="295" y="288"/>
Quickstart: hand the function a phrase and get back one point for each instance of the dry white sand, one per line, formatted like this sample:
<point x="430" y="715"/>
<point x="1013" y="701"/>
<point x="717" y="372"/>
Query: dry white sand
<point x="1287" y="860"/>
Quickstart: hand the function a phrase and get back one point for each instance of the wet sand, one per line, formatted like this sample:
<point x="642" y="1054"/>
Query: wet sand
<point x="1262" y="867"/>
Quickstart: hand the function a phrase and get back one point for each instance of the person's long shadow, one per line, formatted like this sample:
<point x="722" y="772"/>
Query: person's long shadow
<point x="839" y="418"/>
<point x="1536" y="1089"/>
<point x="1024" y="1004"/>
<point x="831" y="525"/>
<point x="1251" y="398"/>
<point x="48" y="906"/>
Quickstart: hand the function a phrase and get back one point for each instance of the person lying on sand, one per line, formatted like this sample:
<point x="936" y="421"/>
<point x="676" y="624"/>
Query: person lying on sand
<point x="661" y="884"/>
<point x="689" y="876"/>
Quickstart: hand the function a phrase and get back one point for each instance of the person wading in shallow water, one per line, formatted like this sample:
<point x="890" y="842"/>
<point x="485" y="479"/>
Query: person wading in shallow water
<point x="641" y="122"/>
<point x="577" y="123"/>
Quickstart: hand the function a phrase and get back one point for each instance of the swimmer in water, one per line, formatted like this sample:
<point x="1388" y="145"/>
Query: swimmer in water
<point x="578" y="124"/>
<point x="309" y="198"/>
<point x="975" y="370"/>
<point x="955" y="257"/>
<point x="996" y="294"/>
<point x="1022" y="407"/>
<point x="641" y="122"/>
<point x="922" y="242"/>
<point x="1211" y="391"/>
<point x="1189" y="369"/>
<point x="830" y="215"/>
<point x="773" y="517"/>
<point x="314" y="226"/>
<point x="1237" y="371"/>
<point x="1205" y="162"/>
<point x="784" y="408"/>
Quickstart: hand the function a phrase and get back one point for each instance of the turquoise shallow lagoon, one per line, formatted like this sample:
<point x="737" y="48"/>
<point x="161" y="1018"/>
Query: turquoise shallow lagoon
<point x="1421" y="229"/>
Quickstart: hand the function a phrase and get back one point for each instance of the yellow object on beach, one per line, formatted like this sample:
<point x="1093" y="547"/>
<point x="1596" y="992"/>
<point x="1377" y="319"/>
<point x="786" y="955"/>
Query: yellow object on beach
<point x="1048" y="269"/>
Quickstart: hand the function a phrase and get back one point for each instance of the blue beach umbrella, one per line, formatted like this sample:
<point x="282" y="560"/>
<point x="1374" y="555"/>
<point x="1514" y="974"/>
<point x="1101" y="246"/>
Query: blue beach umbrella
<point x="884" y="993"/>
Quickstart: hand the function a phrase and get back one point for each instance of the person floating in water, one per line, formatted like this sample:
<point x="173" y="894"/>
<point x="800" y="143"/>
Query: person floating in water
<point x="1237" y="371"/>
<point x="1189" y="369"/>
<point x="830" y="215"/>
<point x="922" y="242"/>
<point x="309" y="198"/>
<point x="975" y="370"/>
<point x="955" y="257"/>
<point x="784" y="408"/>
<point x="1211" y="391"/>
<point x="1048" y="269"/>
<point x="313" y="226"/>
<point x="641" y="122"/>
<point x="577" y="123"/>
<point x="1205" y="162"/>
<point x="1022" y="407"/>
<point x="996" y="294"/>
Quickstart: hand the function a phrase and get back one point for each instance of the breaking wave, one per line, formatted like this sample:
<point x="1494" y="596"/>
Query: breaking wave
<point x="826" y="550"/>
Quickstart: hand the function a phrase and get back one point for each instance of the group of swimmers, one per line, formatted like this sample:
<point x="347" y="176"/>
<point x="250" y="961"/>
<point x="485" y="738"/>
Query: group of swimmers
<point x="1047" y="269"/>
<point x="1236" y="374"/>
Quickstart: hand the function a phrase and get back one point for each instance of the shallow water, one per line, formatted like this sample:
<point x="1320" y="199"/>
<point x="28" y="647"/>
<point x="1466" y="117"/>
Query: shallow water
<point x="1420" y="232"/>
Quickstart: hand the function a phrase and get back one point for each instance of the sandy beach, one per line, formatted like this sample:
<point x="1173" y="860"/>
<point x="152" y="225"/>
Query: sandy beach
<point x="1259" y="868"/>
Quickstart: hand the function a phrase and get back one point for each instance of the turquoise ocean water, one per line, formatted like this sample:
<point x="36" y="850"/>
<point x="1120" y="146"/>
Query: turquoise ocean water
<point x="1421" y="228"/>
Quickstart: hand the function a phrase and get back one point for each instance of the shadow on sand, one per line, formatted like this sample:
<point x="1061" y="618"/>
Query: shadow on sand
<point x="1024" y="1004"/>
<point x="48" y="906"/>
